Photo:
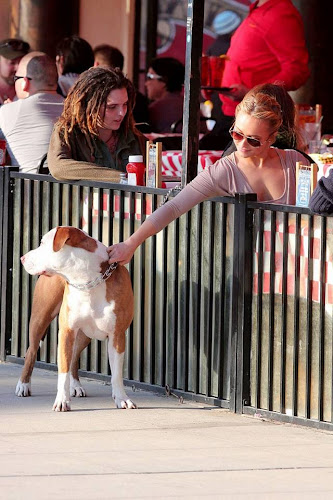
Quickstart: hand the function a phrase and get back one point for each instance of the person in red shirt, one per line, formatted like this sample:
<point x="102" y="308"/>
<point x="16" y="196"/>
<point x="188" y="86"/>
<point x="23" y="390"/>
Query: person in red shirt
<point x="267" y="47"/>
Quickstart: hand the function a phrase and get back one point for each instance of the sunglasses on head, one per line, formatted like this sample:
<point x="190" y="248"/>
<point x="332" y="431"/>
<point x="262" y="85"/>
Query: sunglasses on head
<point x="152" y="76"/>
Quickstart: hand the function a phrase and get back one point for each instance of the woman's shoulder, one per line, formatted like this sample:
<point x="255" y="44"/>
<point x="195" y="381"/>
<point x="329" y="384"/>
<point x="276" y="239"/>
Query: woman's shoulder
<point x="291" y="156"/>
<point x="224" y="168"/>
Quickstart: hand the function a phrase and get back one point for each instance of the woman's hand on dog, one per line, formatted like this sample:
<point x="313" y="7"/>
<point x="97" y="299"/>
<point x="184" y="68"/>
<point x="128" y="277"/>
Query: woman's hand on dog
<point x="121" y="253"/>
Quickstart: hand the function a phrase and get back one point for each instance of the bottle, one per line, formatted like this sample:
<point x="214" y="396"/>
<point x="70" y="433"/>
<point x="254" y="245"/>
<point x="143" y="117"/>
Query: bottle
<point x="136" y="170"/>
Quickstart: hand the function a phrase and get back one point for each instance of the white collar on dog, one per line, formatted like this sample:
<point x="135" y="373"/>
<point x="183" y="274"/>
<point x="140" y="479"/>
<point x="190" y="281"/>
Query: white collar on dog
<point x="97" y="281"/>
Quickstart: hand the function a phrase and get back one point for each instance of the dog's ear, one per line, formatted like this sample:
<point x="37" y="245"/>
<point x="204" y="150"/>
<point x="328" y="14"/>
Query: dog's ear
<point x="60" y="238"/>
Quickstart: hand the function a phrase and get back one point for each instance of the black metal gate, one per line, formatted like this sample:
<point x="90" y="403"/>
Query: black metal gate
<point x="233" y="301"/>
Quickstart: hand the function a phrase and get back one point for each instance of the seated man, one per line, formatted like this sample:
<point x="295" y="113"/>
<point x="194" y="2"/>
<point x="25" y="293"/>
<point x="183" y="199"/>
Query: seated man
<point x="11" y="52"/>
<point x="27" y="123"/>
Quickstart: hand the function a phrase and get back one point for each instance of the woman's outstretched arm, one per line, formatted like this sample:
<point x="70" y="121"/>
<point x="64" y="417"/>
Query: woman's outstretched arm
<point x="204" y="186"/>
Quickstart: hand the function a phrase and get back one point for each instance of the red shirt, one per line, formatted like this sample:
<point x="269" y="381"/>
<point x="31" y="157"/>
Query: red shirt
<point x="267" y="47"/>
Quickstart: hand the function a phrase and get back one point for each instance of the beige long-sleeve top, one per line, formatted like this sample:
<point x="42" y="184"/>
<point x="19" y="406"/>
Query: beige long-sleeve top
<point x="91" y="159"/>
<point x="224" y="178"/>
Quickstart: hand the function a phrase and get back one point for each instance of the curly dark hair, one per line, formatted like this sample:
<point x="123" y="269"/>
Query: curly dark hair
<point x="83" y="107"/>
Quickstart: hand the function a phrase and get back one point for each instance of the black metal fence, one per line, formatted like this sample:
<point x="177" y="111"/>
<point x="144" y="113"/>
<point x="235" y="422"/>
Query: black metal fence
<point x="233" y="301"/>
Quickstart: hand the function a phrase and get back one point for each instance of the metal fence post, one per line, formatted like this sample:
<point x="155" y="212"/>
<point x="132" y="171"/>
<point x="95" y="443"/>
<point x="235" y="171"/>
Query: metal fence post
<point x="6" y="248"/>
<point x="241" y="303"/>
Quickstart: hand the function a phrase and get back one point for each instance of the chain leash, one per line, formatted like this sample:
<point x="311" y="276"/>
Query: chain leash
<point x="171" y="191"/>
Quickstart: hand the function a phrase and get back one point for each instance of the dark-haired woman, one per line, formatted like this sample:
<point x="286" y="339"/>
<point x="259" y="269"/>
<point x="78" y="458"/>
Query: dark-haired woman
<point x="95" y="134"/>
<point x="164" y="84"/>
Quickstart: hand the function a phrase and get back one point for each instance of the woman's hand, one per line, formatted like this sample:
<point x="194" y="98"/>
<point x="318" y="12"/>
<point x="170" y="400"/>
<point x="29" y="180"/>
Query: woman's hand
<point x="121" y="253"/>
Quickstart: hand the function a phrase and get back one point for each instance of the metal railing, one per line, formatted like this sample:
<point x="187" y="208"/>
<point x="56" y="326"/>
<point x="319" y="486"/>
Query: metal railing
<point x="233" y="301"/>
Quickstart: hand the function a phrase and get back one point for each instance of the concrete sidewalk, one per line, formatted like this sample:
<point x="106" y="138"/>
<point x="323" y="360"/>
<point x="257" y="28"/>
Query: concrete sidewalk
<point x="164" y="449"/>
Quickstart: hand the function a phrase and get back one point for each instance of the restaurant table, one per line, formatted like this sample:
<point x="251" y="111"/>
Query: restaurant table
<point x="172" y="161"/>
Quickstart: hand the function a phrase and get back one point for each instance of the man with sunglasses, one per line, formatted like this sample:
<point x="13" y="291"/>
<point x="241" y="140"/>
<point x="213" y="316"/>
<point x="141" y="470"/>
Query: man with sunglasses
<point x="11" y="52"/>
<point x="27" y="123"/>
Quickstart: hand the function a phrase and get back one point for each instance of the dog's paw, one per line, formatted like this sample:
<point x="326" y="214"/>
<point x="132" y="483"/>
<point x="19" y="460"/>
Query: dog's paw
<point x="124" y="403"/>
<point x="76" y="389"/>
<point x="23" y="389"/>
<point x="61" y="404"/>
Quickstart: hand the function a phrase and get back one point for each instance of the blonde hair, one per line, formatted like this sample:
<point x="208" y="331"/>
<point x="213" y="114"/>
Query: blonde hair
<point x="262" y="106"/>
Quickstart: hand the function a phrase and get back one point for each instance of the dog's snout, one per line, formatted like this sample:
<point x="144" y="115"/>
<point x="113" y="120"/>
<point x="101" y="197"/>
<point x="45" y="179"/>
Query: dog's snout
<point x="23" y="259"/>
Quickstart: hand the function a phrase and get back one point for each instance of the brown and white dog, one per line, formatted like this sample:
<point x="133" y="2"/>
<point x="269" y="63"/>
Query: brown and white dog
<point x="97" y="302"/>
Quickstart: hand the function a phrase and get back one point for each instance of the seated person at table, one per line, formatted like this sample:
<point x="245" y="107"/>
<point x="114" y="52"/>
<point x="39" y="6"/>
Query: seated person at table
<point x="164" y="84"/>
<point x="255" y="167"/>
<point x="11" y="52"/>
<point x="95" y="134"/>
<point x="27" y="124"/>
<point x="73" y="56"/>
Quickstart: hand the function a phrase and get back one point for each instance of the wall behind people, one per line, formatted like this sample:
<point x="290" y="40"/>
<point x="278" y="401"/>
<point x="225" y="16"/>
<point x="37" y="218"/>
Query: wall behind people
<point x="100" y="25"/>
<point x="42" y="23"/>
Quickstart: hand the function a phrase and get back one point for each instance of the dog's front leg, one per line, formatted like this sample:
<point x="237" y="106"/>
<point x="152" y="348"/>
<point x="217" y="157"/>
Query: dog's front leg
<point x="116" y="360"/>
<point x="65" y="354"/>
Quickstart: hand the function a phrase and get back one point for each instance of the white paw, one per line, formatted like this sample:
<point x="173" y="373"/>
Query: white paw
<point x="76" y="389"/>
<point x="23" y="389"/>
<point x="124" y="403"/>
<point x="61" y="403"/>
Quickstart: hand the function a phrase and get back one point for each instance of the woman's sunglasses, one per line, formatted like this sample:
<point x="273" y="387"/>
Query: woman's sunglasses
<point x="238" y="136"/>
<point x="152" y="76"/>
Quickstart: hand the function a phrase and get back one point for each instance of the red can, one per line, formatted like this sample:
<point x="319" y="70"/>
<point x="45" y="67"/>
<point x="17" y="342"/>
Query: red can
<point x="3" y="145"/>
<point x="136" y="170"/>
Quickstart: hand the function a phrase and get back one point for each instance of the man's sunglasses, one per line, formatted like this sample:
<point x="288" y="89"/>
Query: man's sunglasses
<point x="238" y="136"/>
<point x="152" y="76"/>
<point x="15" y="78"/>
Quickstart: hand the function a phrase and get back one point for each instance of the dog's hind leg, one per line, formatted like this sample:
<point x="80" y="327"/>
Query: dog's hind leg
<point x="66" y="341"/>
<point x="46" y="304"/>
<point x="81" y="342"/>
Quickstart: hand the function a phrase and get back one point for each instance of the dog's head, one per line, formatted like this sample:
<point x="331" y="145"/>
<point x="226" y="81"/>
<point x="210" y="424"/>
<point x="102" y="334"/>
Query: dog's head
<point x="67" y="251"/>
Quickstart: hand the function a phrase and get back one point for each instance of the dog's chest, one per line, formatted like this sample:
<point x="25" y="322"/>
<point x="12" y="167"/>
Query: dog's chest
<point x="90" y="312"/>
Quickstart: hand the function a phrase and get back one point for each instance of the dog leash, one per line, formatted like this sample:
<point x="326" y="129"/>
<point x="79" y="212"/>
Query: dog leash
<point x="175" y="190"/>
<point x="97" y="281"/>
